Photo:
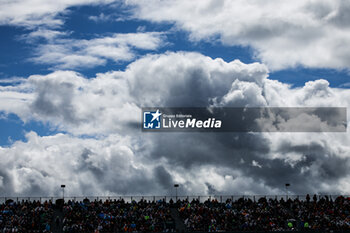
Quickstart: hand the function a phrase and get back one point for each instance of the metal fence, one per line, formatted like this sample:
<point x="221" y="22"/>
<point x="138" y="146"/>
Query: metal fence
<point x="201" y="198"/>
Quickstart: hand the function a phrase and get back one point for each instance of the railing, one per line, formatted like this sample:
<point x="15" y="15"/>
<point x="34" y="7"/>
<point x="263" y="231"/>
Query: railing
<point x="201" y="198"/>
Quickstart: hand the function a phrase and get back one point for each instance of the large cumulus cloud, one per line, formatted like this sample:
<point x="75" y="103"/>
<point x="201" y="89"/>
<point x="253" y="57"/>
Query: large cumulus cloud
<point x="104" y="152"/>
<point x="87" y="166"/>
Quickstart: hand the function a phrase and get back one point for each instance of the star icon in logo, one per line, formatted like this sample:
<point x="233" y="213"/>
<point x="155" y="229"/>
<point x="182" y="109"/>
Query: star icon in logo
<point x="156" y="115"/>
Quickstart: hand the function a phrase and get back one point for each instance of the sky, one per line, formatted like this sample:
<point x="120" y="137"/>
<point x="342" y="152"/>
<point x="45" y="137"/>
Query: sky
<point x="75" y="74"/>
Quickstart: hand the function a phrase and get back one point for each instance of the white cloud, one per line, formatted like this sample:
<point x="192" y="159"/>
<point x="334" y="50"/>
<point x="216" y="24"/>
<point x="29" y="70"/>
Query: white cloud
<point x="243" y="94"/>
<point x="12" y="80"/>
<point x="283" y="33"/>
<point x="65" y="53"/>
<point x="36" y="13"/>
<point x="41" y="33"/>
<point x="102" y="18"/>
<point x="16" y="99"/>
<point x="256" y="164"/>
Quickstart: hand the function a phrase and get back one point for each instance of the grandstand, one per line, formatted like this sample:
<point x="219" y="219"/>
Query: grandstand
<point x="318" y="213"/>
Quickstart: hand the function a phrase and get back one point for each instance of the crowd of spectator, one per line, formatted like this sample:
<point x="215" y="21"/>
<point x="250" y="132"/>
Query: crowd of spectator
<point x="310" y="214"/>
<point x="25" y="216"/>
<point x="321" y="214"/>
<point x="117" y="216"/>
